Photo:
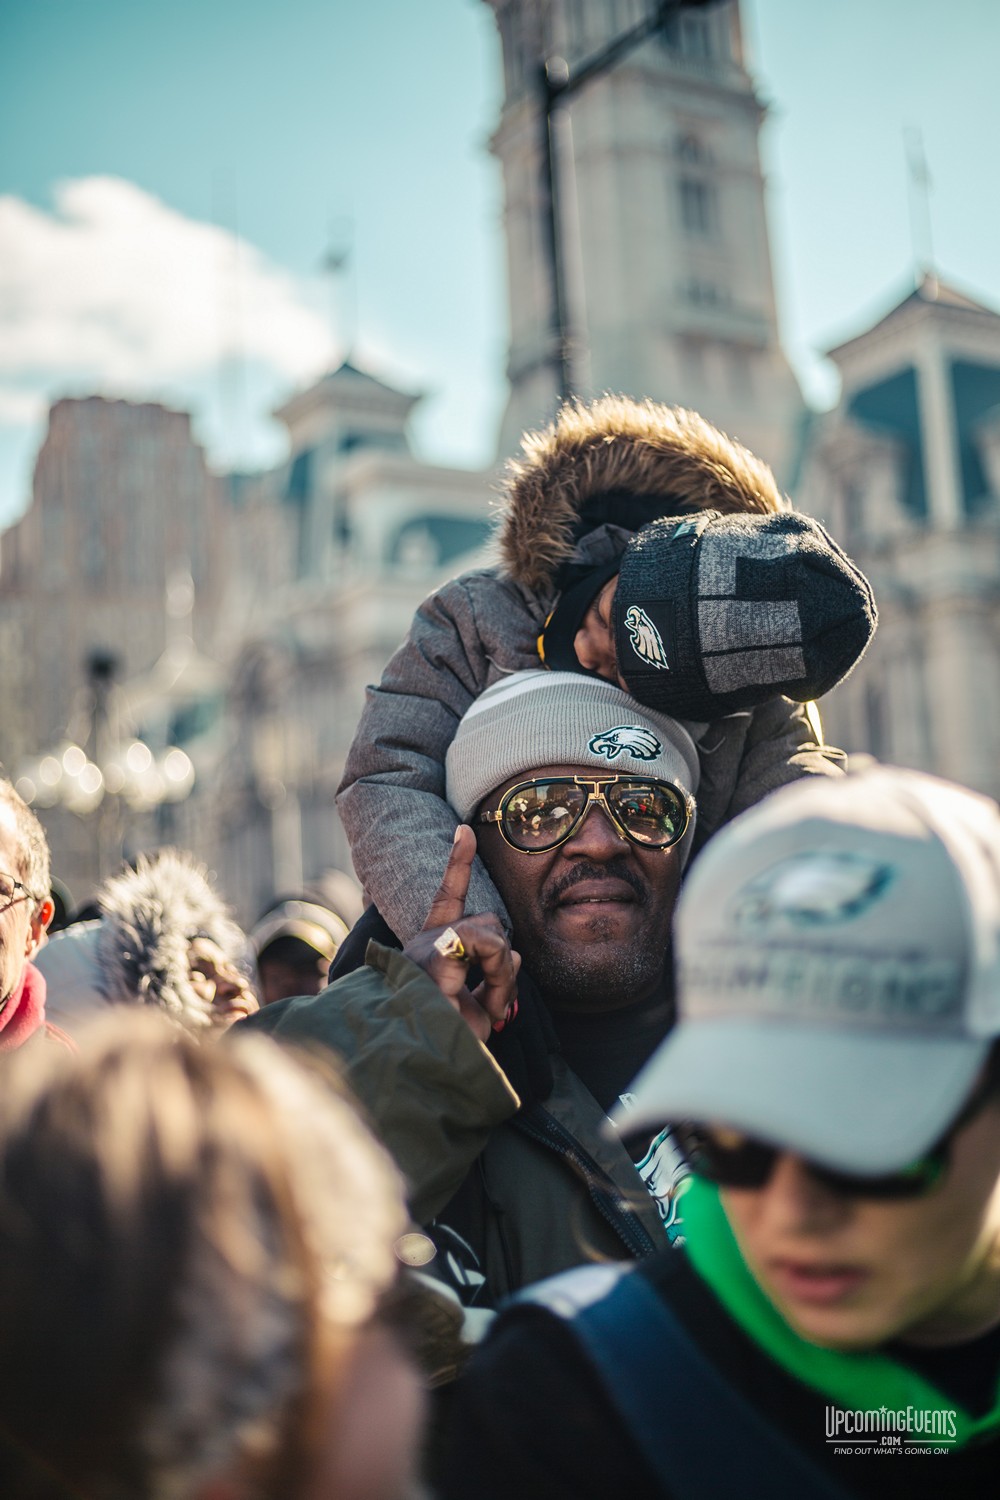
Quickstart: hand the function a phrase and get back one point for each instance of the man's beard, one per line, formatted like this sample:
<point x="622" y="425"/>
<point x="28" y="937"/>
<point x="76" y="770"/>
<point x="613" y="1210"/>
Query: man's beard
<point x="597" y="975"/>
<point x="590" y="977"/>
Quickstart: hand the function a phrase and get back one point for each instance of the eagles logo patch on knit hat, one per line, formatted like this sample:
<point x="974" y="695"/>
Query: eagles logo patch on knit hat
<point x="647" y="642"/>
<point x="638" y="742"/>
<point x="716" y="613"/>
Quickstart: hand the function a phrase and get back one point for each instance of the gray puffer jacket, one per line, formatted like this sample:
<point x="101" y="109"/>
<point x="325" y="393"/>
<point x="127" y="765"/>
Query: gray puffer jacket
<point x="575" y="496"/>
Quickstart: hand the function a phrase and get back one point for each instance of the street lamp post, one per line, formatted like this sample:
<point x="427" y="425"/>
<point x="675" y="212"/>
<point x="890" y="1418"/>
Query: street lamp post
<point x="558" y="84"/>
<point x="110" y="772"/>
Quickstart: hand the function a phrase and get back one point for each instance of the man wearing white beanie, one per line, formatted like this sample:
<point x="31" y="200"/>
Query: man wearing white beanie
<point x="582" y="803"/>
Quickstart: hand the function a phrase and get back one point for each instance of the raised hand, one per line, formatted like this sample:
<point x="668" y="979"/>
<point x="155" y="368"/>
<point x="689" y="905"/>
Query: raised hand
<point x="450" y="941"/>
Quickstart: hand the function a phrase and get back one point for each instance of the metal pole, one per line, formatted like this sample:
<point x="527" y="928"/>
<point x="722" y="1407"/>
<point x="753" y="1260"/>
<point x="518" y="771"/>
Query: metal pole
<point x="102" y="667"/>
<point x="558" y="83"/>
<point x="559" y="319"/>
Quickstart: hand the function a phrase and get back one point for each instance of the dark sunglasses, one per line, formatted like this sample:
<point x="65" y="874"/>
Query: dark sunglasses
<point x="733" y="1160"/>
<point x="539" y="815"/>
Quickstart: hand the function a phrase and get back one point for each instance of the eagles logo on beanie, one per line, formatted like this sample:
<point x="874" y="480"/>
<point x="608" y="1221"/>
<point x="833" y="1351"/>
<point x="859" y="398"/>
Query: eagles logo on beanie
<point x="716" y="613"/>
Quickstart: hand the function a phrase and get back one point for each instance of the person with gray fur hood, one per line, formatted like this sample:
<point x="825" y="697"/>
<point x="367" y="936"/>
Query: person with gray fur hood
<point x="166" y="939"/>
<point x="639" y="543"/>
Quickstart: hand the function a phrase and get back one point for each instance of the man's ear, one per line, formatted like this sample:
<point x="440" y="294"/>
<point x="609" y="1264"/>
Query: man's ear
<point x="41" y="917"/>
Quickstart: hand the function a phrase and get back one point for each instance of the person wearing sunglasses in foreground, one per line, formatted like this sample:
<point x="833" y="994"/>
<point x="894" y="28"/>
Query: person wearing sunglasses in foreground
<point x="582" y="804"/>
<point x="832" y="1325"/>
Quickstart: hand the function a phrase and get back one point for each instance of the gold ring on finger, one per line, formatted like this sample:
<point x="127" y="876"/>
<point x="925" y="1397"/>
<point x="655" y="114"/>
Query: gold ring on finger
<point x="450" y="945"/>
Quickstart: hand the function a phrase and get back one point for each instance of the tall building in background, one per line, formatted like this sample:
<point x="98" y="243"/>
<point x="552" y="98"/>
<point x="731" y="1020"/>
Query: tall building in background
<point x="121" y="502"/>
<point x="906" y="472"/>
<point x="123" y="510"/>
<point x="661" y="220"/>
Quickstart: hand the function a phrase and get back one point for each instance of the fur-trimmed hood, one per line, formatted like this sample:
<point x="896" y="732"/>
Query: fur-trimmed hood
<point x="150" y="915"/>
<point x="621" y="462"/>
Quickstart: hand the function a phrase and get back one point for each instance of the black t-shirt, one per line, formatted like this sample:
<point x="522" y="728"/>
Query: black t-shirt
<point x="531" y="1421"/>
<point x="606" y="1049"/>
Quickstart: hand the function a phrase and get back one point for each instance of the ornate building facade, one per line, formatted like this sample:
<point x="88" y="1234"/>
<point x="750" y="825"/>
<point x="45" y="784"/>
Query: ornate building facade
<point x="369" y="531"/>
<point x="906" y="473"/>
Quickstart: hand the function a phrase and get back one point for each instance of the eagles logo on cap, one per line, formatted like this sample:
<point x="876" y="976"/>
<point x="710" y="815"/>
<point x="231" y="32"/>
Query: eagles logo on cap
<point x="627" y="739"/>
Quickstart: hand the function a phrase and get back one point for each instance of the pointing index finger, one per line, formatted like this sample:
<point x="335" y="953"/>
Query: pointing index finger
<point x="449" y="902"/>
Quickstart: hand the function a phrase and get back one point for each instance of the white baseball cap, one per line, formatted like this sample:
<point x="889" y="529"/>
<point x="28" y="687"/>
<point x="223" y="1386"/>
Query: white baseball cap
<point x="838" y="970"/>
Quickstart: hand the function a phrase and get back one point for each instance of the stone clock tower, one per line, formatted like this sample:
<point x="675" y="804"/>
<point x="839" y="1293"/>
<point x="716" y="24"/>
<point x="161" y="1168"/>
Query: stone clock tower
<point x="661" y="224"/>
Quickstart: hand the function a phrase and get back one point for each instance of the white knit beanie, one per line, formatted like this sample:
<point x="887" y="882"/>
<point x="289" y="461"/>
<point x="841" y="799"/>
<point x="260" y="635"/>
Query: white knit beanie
<point x="535" y="719"/>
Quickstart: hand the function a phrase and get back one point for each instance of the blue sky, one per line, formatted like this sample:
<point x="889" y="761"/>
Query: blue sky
<point x="172" y="176"/>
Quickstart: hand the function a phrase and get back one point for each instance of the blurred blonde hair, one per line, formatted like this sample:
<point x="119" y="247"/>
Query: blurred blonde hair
<point x="189" y="1238"/>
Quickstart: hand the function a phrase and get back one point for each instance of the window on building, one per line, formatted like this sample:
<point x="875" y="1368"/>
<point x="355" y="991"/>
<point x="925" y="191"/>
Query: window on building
<point x="704" y="293"/>
<point x="695" y="37"/>
<point x="699" y="213"/>
<point x="691" y="148"/>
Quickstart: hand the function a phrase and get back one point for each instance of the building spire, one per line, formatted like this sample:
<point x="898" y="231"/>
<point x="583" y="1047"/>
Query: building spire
<point x="338" y="265"/>
<point x="919" y="183"/>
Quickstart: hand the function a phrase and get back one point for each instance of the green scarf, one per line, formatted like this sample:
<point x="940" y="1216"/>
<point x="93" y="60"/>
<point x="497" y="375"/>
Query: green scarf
<point x="856" y="1382"/>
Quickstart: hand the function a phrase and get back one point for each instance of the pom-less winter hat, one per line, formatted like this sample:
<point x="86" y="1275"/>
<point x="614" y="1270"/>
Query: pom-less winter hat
<point x="716" y="613"/>
<point x="535" y="719"/>
<point x="838" y="970"/>
<point x="320" y="929"/>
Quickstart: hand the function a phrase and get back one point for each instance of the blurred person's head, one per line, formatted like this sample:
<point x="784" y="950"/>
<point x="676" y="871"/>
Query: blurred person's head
<point x="295" y="942"/>
<point x="835" y="1066"/>
<point x="26" y="907"/>
<point x="194" y="1244"/>
<point x="167" y="939"/>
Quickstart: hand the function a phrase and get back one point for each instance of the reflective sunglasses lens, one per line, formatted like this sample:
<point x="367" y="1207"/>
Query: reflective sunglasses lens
<point x="652" y="812"/>
<point x="538" y="816"/>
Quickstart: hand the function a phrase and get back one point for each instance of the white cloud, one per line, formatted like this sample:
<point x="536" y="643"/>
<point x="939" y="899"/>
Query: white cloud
<point x="115" y="292"/>
<point x="19" y="408"/>
<point x="119" y="287"/>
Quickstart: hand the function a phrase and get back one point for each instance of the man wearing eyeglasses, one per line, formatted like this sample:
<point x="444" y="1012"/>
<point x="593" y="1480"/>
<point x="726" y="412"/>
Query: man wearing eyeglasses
<point x="582" y="804"/>
<point x="832" y="1326"/>
<point x="26" y="909"/>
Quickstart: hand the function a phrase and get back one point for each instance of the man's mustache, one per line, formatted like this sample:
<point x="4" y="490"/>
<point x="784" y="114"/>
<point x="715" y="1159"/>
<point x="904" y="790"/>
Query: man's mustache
<point x="617" y="869"/>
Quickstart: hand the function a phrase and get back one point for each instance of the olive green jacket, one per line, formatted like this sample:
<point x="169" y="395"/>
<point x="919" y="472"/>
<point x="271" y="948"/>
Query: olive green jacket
<point x="532" y="1191"/>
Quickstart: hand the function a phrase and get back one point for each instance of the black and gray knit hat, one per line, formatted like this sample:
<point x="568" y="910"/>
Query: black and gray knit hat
<point x="716" y="613"/>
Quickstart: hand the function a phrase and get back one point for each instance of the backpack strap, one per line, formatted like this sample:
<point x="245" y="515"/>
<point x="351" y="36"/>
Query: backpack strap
<point x="698" y="1434"/>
